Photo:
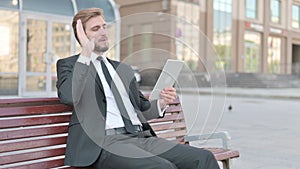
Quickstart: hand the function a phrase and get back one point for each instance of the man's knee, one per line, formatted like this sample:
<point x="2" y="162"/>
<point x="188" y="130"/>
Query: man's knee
<point x="167" y="166"/>
<point x="210" y="160"/>
<point x="209" y="155"/>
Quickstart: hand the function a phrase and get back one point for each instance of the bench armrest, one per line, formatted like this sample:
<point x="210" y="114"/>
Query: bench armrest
<point x="223" y="135"/>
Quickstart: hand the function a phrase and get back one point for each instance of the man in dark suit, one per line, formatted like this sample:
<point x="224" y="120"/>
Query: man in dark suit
<point x="103" y="133"/>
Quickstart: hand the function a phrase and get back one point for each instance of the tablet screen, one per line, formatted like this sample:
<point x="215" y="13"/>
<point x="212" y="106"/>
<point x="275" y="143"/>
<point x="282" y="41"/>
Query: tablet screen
<point x="167" y="77"/>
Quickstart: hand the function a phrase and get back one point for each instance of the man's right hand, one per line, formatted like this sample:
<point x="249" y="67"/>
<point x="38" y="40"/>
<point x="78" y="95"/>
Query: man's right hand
<point x="87" y="45"/>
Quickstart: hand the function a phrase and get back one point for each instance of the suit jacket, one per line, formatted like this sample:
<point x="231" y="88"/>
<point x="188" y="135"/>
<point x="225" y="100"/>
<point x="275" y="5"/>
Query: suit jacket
<point x="80" y="86"/>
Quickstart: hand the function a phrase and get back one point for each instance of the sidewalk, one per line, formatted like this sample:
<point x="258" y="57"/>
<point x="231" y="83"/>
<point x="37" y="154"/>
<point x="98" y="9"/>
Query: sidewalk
<point x="274" y="93"/>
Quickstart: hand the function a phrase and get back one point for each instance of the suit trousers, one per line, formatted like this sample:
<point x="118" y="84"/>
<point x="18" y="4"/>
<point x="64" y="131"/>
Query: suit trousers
<point x="126" y="152"/>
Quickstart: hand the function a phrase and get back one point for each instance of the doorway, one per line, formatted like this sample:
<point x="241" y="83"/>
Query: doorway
<point x="252" y="52"/>
<point x="46" y="39"/>
<point x="296" y="59"/>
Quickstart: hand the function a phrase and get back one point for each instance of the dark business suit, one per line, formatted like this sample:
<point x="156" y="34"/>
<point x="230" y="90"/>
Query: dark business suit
<point x="81" y="149"/>
<point x="80" y="86"/>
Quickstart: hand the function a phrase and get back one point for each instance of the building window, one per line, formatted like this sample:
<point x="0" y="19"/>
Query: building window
<point x="252" y="52"/>
<point x="187" y="36"/>
<point x="9" y="52"/>
<point x="111" y="30"/>
<point x="61" y="45"/>
<point x="146" y="42"/>
<point x="274" y="51"/>
<point x="275" y="9"/>
<point x="222" y="32"/>
<point x="296" y="16"/>
<point x="251" y="9"/>
<point x="130" y="40"/>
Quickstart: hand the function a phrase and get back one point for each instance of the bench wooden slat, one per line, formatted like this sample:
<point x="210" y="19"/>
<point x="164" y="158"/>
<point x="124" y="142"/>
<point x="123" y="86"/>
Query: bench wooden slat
<point x="32" y="121"/>
<point x="167" y="118"/>
<point x="168" y="126"/>
<point x="31" y="132"/>
<point x="222" y="154"/>
<point x="31" y="110"/>
<point x="175" y="102"/>
<point x="172" y="134"/>
<point x="68" y="167"/>
<point x="21" y="157"/>
<point x="43" y="164"/>
<point x="29" y="101"/>
<point x="27" y="144"/>
<point x="173" y="109"/>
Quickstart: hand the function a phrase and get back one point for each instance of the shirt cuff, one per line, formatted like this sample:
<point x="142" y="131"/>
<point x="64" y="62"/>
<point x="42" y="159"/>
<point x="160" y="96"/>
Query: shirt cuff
<point x="161" y="111"/>
<point x="83" y="59"/>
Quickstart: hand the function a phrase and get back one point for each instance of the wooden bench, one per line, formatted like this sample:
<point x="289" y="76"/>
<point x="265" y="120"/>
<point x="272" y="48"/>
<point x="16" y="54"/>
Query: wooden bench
<point x="33" y="133"/>
<point x="173" y="127"/>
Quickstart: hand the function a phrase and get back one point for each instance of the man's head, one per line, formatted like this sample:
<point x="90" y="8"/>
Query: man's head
<point x="94" y="26"/>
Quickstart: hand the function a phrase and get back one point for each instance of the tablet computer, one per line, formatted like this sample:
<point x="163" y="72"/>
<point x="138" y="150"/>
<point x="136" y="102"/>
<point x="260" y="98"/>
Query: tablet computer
<point x="167" y="77"/>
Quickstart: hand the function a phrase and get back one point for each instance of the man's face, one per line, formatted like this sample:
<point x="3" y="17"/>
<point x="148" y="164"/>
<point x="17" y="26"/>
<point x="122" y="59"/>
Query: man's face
<point x="96" y="28"/>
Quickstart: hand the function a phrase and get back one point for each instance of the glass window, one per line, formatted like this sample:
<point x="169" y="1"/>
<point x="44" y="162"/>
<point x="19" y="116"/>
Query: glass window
<point x="9" y="52"/>
<point x="36" y="56"/>
<point x="112" y="41"/>
<point x="252" y="54"/>
<point x="146" y="42"/>
<point x="223" y="5"/>
<point x="61" y="45"/>
<point x="188" y="12"/>
<point x="196" y="14"/>
<point x="130" y="40"/>
<point x="296" y="16"/>
<point x="251" y="9"/>
<point x="36" y="83"/>
<point x="222" y="32"/>
<point x="275" y="9"/>
<point x="274" y="51"/>
<point x="36" y="45"/>
<point x="186" y="33"/>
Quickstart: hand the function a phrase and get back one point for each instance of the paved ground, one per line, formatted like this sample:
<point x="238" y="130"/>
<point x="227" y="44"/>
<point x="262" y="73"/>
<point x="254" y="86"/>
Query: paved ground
<point x="264" y="128"/>
<point x="267" y="132"/>
<point x="274" y="93"/>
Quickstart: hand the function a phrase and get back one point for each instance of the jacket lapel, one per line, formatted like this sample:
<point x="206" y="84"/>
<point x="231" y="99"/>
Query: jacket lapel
<point x="124" y="74"/>
<point x="95" y="76"/>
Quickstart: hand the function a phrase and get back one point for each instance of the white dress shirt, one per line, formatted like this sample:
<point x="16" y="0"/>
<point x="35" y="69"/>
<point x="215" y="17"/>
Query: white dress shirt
<point x="113" y="115"/>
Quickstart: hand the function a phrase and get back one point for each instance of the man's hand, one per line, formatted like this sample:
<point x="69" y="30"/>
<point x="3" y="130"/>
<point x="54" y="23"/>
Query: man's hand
<point x="167" y="95"/>
<point x="87" y="45"/>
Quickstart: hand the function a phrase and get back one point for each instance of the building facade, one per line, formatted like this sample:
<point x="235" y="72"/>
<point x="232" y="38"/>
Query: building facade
<point x="250" y="36"/>
<point x="247" y="36"/>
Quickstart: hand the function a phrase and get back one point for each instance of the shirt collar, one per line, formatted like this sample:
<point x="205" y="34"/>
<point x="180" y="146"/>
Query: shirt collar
<point x="94" y="57"/>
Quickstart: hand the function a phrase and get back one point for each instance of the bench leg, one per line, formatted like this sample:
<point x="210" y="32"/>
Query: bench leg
<point x="226" y="164"/>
